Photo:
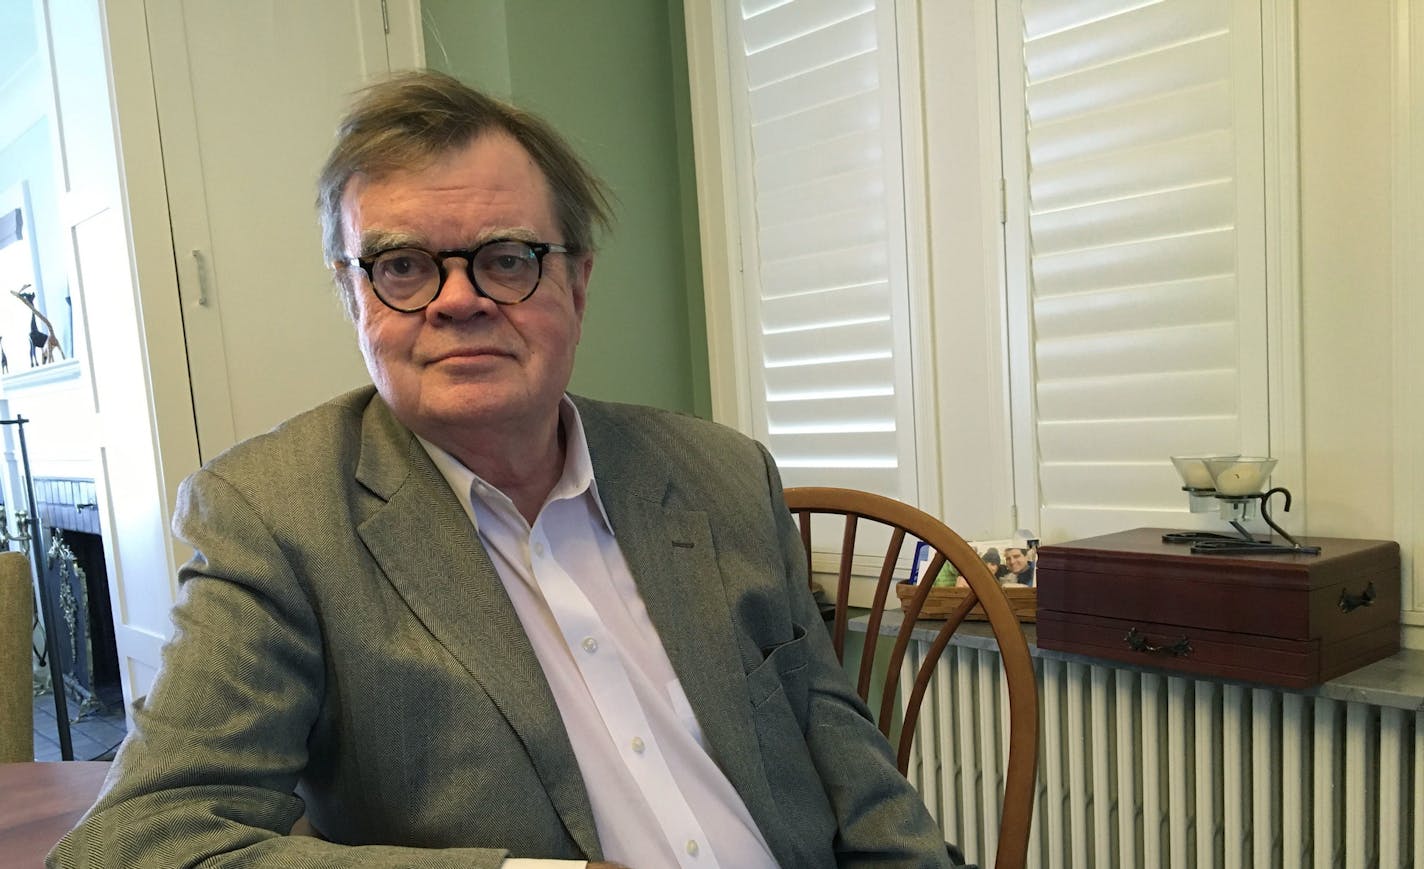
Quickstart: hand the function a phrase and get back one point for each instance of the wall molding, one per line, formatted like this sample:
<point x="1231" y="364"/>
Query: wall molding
<point x="40" y="376"/>
<point x="718" y="207"/>
<point x="1284" y="328"/>
<point x="1407" y="220"/>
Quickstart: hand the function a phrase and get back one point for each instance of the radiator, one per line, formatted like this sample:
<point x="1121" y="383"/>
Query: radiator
<point x="1145" y="770"/>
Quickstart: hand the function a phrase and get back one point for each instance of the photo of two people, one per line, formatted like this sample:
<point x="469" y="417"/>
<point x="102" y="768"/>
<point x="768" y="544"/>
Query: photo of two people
<point x="1011" y="561"/>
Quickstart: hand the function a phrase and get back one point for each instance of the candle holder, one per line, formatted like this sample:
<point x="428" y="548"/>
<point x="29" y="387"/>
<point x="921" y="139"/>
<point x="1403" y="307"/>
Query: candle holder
<point x="1197" y="481"/>
<point x="1236" y="483"/>
<point x="1200" y="486"/>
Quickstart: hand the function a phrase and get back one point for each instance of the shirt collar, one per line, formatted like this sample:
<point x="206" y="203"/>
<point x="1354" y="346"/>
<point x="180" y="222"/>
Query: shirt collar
<point x="577" y="477"/>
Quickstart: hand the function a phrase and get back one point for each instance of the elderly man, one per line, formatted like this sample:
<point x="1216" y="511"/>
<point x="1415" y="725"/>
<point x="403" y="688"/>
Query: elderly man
<point x="462" y="619"/>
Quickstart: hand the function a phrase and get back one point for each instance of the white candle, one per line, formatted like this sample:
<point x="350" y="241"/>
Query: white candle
<point x="1243" y="478"/>
<point x="1195" y="475"/>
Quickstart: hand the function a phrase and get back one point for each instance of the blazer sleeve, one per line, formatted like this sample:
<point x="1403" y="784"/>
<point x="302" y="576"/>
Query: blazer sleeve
<point x="208" y="773"/>
<point x="882" y="821"/>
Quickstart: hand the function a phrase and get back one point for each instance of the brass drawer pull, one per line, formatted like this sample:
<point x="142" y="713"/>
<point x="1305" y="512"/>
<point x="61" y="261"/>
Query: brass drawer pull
<point x="1351" y="602"/>
<point x="1138" y="643"/>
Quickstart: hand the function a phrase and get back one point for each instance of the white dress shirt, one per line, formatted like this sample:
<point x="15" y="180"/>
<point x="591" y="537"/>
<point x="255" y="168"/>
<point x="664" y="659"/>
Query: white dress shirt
<point x="658" y="799"/>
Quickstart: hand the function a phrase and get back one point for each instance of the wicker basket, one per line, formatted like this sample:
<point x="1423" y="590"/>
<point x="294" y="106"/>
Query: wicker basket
<point x="943" y="599"/>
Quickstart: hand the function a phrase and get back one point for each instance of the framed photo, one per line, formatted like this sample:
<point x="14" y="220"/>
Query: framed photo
<point x="1011" y="560"/>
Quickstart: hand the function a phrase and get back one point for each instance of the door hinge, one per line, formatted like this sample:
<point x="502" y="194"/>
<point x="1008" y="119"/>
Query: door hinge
<point x="1003" y="204"/>
<point x="385" y="18"/>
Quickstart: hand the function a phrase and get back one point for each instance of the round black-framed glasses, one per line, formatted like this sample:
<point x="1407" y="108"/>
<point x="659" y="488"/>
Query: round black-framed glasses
<point x="504" y="270"/>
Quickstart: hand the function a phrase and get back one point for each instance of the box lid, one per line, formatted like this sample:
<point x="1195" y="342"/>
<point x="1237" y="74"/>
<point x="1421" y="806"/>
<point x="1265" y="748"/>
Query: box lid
<point x="1142" y="551"/>
<point x="1352" y="586"/>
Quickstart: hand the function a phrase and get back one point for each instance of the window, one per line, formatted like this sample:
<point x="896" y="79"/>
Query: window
<point x="826" y="322"/>
<point x="1045" y="266"/>
<point x="1134" y="161"/>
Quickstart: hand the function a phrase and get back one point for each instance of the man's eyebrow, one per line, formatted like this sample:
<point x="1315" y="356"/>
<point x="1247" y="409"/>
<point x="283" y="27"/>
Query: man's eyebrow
<point x="376" y="240"/>
<point x="514" y="233"/>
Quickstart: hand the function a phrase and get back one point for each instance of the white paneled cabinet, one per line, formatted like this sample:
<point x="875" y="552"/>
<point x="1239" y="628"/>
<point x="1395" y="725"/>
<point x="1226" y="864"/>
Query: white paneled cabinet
<point x="224" y="112"/>
<point x="248" y="98"/>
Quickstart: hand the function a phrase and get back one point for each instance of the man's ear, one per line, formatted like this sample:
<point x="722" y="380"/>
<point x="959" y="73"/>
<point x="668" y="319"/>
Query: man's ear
<point x="580" y="273"/>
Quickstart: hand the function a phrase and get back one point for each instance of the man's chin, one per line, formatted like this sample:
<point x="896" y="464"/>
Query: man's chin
<point x="482" y="407"/>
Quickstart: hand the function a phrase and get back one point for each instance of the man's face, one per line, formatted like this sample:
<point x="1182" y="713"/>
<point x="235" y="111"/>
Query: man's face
<point x="1016" y="560"/>
<point x="465" y="367"/>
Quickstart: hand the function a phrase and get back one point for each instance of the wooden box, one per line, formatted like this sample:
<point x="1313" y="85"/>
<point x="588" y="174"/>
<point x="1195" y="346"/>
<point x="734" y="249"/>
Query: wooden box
<point x="943" y="599"/>
<point x="1288" y="620"/>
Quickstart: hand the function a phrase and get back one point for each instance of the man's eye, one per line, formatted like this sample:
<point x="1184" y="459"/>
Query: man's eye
<point x="505" y="259"/>
<point x="403" y="266"/>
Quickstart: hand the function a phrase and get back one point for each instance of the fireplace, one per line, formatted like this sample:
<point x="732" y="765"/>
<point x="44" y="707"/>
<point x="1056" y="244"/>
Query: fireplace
<point x="76" y="583"/>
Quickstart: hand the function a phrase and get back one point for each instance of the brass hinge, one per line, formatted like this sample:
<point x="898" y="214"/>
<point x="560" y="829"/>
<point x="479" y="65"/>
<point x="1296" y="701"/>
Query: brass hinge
<point x="385" y="18"/>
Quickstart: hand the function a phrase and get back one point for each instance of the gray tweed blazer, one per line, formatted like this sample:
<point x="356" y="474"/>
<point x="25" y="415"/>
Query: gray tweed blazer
<point x="344" y="647"/>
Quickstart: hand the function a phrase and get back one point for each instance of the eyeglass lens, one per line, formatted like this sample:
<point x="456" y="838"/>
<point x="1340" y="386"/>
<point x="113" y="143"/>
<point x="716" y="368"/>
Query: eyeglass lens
<point x="506" y="271"/>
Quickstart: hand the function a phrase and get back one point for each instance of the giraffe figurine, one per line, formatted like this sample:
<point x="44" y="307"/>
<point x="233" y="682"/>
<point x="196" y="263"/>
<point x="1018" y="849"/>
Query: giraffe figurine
<point x="47" y="344"/>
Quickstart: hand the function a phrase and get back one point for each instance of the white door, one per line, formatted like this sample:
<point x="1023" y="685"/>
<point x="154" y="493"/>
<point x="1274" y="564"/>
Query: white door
<point x="224" y="111"/>
<point x="249" y="95"/>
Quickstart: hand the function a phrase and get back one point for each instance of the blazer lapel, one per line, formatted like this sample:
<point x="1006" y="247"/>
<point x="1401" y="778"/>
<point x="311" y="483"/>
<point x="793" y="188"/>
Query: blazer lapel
<point x="670" y="554"/>
<point x="427" y="548"/>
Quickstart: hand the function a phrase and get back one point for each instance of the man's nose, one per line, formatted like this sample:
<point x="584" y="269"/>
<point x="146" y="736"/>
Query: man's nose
<point x="459" y="299"/>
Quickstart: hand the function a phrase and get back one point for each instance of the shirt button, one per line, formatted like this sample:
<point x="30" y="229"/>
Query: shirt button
<point x="692" y="847"/>
<point x="539" y="549"/>
<point x="637" y="744"/>
<point x="590" y="645"/>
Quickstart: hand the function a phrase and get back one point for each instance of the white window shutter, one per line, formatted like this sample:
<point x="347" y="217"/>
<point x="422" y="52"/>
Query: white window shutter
<point x="815" y="98"/>
<point x="1145" y="248"/>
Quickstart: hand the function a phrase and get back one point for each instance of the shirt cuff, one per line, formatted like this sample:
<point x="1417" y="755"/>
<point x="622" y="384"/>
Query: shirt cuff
<point x="537" y="863"/>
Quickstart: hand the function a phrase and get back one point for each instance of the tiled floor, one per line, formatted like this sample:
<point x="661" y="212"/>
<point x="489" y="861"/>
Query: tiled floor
<point x="93" y="738"/>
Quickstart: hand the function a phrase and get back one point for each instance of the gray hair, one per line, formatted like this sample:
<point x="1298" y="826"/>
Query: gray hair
<point x="413" y="119"/>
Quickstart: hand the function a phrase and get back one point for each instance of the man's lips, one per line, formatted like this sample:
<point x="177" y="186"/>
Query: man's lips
<point x="469" y="353"/>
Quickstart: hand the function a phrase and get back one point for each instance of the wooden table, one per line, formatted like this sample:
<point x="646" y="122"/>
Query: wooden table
<point x="39" y="802"/>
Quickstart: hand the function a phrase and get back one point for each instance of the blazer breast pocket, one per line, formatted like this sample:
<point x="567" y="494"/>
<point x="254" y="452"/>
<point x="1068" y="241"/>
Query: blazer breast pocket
<point x="782" y="671"/>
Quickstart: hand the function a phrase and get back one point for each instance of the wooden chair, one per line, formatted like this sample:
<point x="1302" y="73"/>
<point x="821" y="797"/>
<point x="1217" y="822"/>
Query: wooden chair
<point x="17" y="695"/>
<point x="1020" y="780"/>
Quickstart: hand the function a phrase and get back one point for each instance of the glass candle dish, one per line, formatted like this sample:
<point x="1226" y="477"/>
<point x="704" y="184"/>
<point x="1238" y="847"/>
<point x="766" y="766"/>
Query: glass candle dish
<point x="1240" y="475"/>
<point x="1194" y="472"/>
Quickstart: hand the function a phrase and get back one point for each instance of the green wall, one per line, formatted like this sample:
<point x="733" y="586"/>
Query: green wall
<point x="612" y="77"/>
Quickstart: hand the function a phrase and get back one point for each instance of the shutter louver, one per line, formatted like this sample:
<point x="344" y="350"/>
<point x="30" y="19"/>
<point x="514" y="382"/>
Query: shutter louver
<point x="1147" y="324"/>
<point x="824" y="242"/>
